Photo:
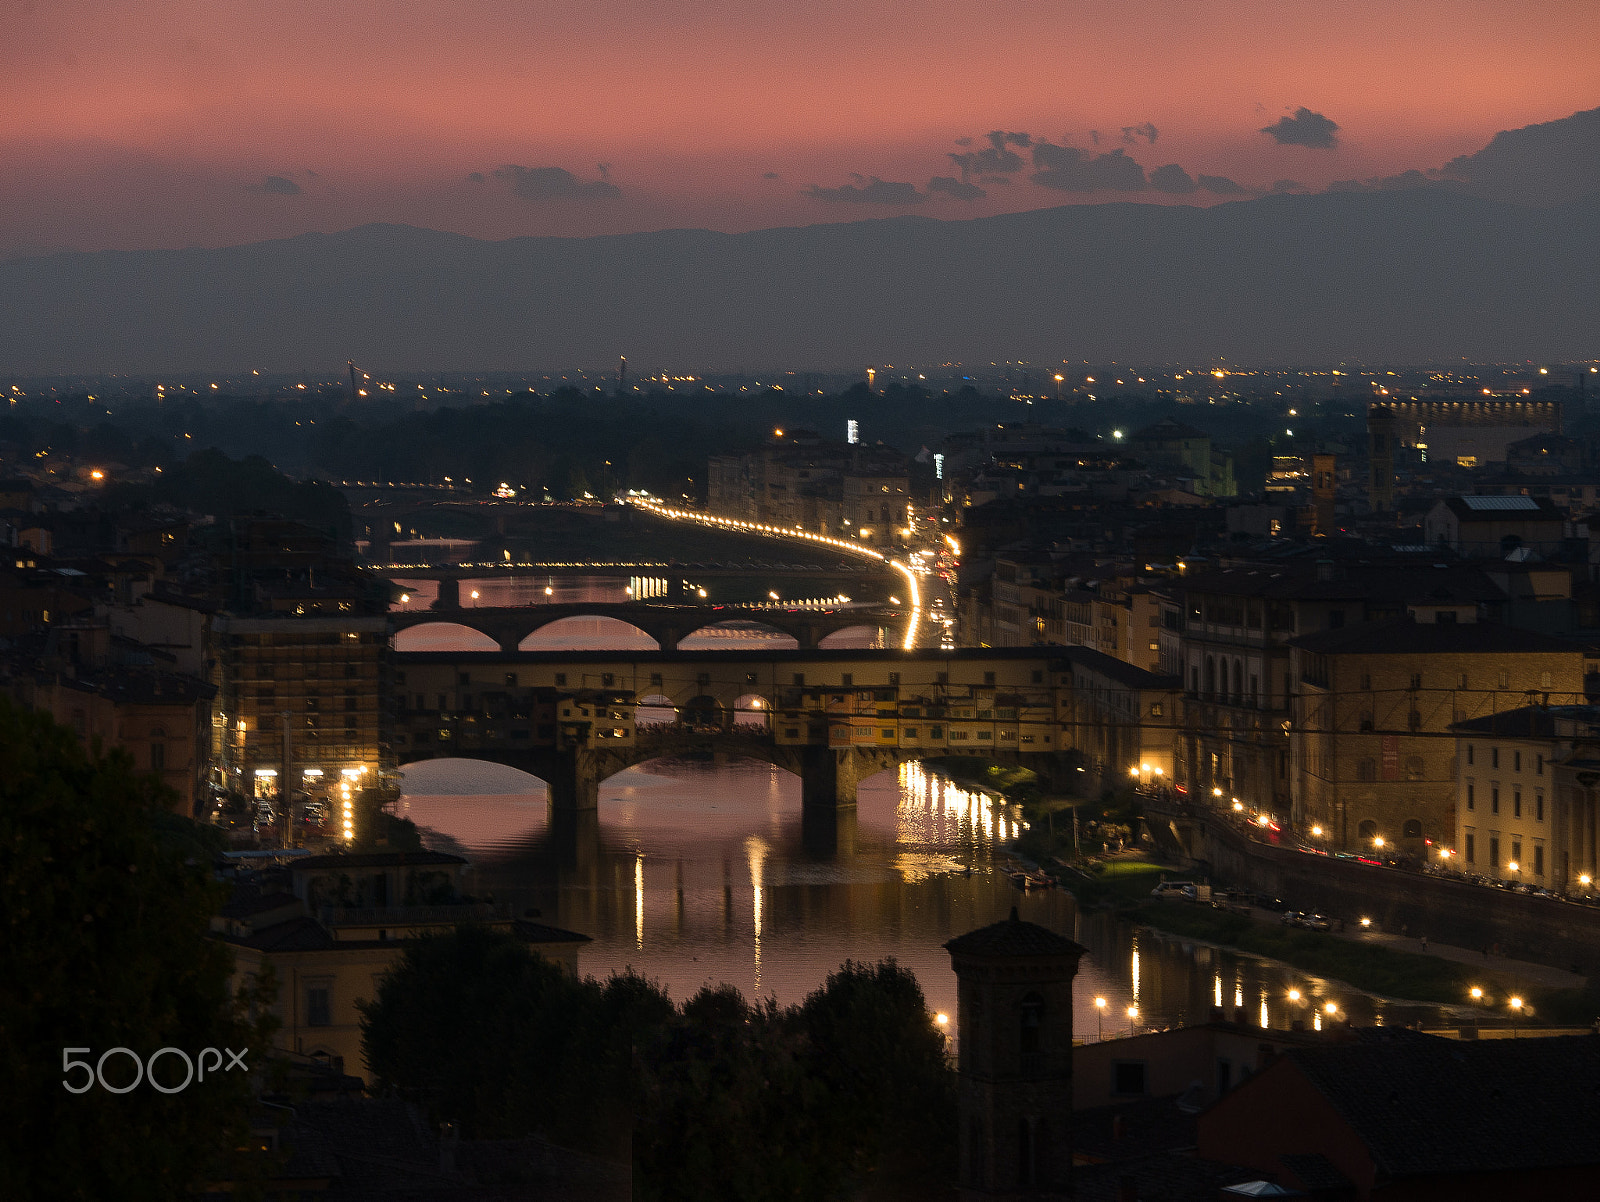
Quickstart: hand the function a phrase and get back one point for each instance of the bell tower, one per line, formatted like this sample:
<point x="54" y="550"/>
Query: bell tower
<point x="1014" y="1027"/>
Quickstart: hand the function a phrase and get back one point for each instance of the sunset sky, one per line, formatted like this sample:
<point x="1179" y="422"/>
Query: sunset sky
<point x="161" y="123"/>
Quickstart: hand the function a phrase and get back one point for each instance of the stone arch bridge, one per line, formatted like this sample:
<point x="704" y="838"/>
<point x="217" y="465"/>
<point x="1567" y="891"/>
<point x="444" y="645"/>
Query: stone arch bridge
<point x="832" y="717"/>
<point x="667" y="624"/>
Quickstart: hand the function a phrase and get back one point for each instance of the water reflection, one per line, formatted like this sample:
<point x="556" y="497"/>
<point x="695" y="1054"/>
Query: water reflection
<point x="696" y="873"/>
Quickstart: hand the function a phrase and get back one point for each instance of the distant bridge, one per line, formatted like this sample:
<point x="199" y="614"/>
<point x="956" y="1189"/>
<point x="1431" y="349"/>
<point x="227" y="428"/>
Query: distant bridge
<point x="668" y="625"/>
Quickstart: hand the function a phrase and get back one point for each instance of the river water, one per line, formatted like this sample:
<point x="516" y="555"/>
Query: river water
<point x="695" y="873"/>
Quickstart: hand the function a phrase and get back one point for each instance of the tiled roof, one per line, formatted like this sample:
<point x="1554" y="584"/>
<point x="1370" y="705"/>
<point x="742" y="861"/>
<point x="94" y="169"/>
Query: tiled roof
<point x="1013" y="937"/>
<point x="1454" y="1107"/>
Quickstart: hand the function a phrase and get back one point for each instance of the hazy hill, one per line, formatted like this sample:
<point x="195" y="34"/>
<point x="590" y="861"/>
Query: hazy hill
<point x="1420" y="275"/>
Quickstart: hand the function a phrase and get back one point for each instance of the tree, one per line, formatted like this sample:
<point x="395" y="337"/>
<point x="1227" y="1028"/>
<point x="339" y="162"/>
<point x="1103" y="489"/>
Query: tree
<point x="107" y="906"/>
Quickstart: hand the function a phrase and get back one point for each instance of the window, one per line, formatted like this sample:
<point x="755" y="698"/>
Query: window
<point x="1494" y="799"/>
<point x="887" y="732"/>
<point x="1503" y="680"/>
<point x="561" y="678"/>
<point x="1032" y="1020"/>
<point x="988" y="678"/>
<point x="1472" y="848"/>
<point x="799" y="679"/>
<point x="1414" y="767"/>
<point x="464" y="678"/>
<point x="1155" y="709"/>
<point x="1462" y="682"/>
<point x="1544" y="680"/>
<point x="936" y="732"/>
<point x="1516" y="852"/>
<point x="1538" y="805"/>
<point x="942" y="678"/>
<point x="1538" y="765"/>
<point x="1469" y="754"/>
<point x="511" y="680"/>
<point x="1494" y="757"/>
<point x="1127" y="1077"/>
<point x="158" y="756"/>
<point x="1538" y="859"/>
<point x="318" y="1004"/>
<point x="1416" y="680"/>
<point x="846" y="680"/>
<point x="655" y="679"/>
<point x="894" y="678"/>
<point x="1224" y="1076"/>
<point x="1412" y="829"/>
<point x="911" y="732"/>
<point x="1494" y="851"/>
<point x="1037" y="676"/>
<point x="1366" y="680"/>
<point x="1366" y="770"/>
<point x="1516" y="803"/>
<point x="1516" y="761"/>
<point x="1472" y="796"/>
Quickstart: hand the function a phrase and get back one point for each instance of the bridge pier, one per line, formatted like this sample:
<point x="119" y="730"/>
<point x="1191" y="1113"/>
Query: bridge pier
<point x="449" y="594"/>
<point x="574" y="782"/>
<point x="828" y="778"/>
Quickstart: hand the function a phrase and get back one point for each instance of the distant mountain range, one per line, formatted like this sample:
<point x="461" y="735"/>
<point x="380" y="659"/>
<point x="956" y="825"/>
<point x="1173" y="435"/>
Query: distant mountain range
<point x="1392" y="275"/>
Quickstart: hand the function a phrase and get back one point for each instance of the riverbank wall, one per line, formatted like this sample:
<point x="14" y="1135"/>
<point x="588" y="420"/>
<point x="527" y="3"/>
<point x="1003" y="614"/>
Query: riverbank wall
<point x="1544" y="930"/>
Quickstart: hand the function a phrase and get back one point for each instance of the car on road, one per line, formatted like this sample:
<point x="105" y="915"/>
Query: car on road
<point x="1178" y="889"/>
<point x="1316" y="922"/>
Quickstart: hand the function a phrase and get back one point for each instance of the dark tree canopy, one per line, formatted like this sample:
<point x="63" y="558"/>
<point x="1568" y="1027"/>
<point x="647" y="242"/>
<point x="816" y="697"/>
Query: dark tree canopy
<point x="721" y="1099"/>
<point x="107" y="901"/>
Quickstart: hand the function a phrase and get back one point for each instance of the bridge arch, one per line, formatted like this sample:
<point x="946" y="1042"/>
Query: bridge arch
<point x="587" y="632"/>
<point x="736" y="633"/>
<point x="655" y="709"/>
<point x="753" y="710"/>
<point x="443" y="635"/>
<point x="867" y="634"/>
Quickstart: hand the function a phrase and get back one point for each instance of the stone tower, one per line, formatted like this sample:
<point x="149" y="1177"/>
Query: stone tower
<point x="1014" y="1025"/>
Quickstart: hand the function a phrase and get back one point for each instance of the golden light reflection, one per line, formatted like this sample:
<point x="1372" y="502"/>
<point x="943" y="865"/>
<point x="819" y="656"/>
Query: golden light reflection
<point x="1216" y="991"/>
<point x="932" y="809"/>
<point x="638" y="900"/>
<point x="755" y="850"/>
<point x="1265" y="1021"/>
<point x="1133" y="967"/>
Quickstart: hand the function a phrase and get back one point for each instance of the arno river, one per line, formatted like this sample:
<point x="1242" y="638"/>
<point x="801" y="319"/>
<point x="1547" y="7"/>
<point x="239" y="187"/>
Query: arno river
<point x="695" y="872"/>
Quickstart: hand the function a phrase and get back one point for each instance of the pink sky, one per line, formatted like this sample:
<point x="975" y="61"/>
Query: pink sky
<point x="140" y="123"/>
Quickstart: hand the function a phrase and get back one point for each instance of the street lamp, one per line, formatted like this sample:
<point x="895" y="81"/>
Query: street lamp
<point x="1316" y="832"/>
<point x="1516" y="1013"/>
<point x="1477" y="996"/>
<point x="1099" y="1013"/>
<point x="1133" y="1017"/>
<point x="1377" y="842"/>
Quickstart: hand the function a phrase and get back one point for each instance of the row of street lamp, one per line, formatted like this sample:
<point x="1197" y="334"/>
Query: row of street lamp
<point x="1331" y="1009"/>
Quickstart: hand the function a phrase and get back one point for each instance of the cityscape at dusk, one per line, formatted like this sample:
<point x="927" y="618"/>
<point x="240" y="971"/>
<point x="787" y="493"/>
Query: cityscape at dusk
<point x="832" y="602"/>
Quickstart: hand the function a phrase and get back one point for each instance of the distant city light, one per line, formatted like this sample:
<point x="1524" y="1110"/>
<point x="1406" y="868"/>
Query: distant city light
<point x="852" y="431"/>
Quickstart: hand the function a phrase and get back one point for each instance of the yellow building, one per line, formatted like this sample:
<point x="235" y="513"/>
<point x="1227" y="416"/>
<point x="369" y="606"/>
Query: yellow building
<point x="1370" y="734"/>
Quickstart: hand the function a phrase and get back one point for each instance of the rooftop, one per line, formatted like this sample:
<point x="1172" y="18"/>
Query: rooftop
<point x="1014" y="937"/>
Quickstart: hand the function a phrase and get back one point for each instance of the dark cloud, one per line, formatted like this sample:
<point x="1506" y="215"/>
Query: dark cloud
<point x="1171" y="178"/>
<point x="868" y="190"/>
<point x="995" y="179"/>
<point x="1221" y="185"/>
<point x="1132" y="133"/>
<point x="995" y="158"/>
<point x="1549" y="163"/>
<point x="477" y="177"/>
<point x="1068" y="169"/>
<point x="1288" y="185"/>
<point x="1305" y="128"/>
<point x="555" y="183"/>
<point x="276" y="185"/>
<point x="957" y="188"/>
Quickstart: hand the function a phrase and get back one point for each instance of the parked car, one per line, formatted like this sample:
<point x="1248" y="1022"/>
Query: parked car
<point x="1316" y="922"/>
<point x="1179" y="889"/>
<point x="1292" y="918"/>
